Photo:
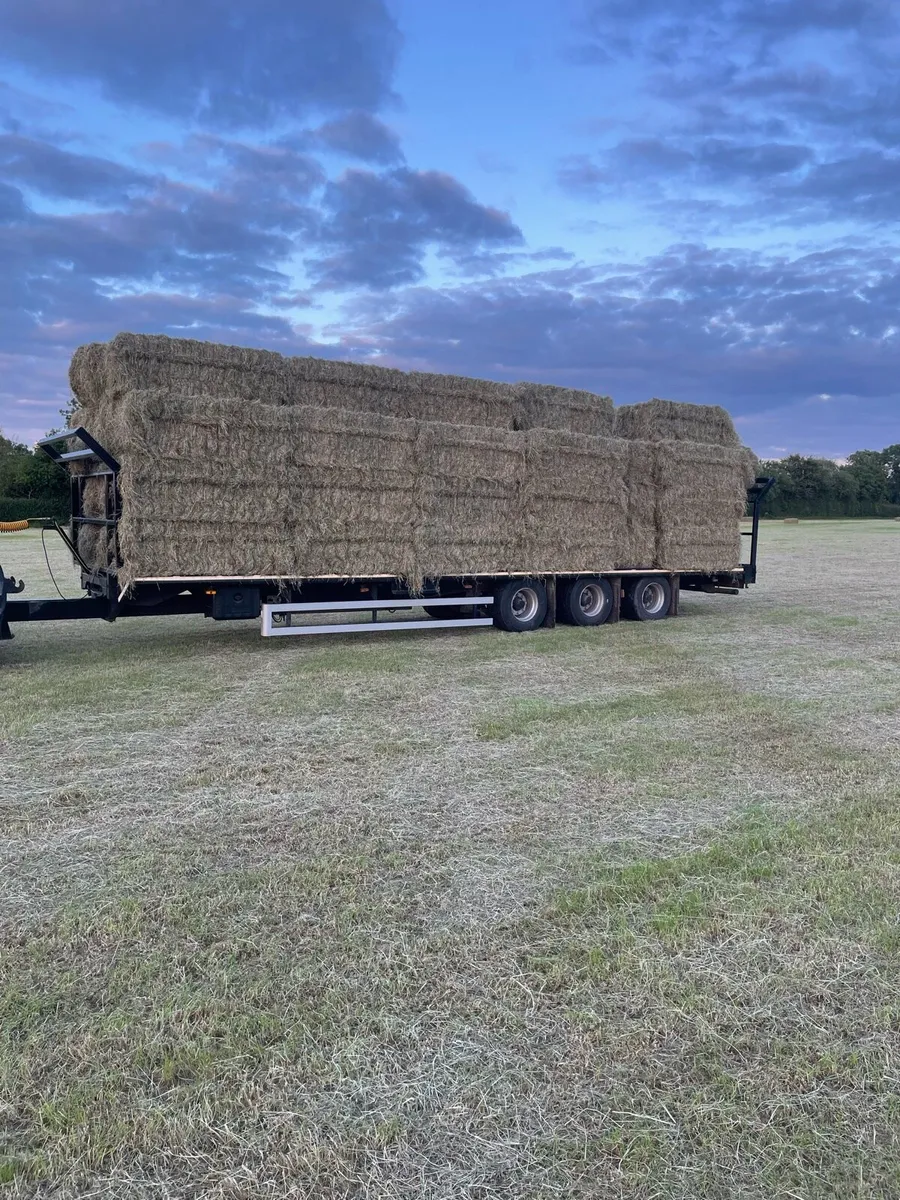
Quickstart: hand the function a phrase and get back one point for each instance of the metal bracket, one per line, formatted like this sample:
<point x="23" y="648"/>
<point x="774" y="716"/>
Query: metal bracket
<point x="92" y="448"/>
<point x="9" y="586"/>
<point x="756" y="493"/>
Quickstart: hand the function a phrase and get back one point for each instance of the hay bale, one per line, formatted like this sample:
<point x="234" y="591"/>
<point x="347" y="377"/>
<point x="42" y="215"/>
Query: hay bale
<point x="87" y="373"/>
<point x="701" y="496"/>
<point x="143" y="362"/>
<point x="471" y="482"/>
<point x="572" y="513"/>
<point x="689" y="464"/>
<point x="673" y="421"/>
<point x="221" y="487"/>
<point x="640" y="503"/>
<point x="139" y="362"/>
<point x="304" y="467"/>
<point x="544" y="406"/>
<point x="93" y="541"/>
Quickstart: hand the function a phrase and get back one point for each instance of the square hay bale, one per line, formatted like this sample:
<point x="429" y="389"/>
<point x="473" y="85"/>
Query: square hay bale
<point x="573" y="514"/>
<point x="639" y="504"/>
<point x="222" y="487"/>
<point x="144" y="362"/>
<point x="673" y="421"/>
<point x="701" y="496"/>
<point x="471" y="483"/>
<point x="544" y="406"/>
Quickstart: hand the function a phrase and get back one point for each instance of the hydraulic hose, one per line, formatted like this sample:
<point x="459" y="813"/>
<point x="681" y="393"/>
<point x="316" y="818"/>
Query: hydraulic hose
<point x="13" y="526"/>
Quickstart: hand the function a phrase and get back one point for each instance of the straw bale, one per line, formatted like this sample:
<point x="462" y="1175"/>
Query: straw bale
<point x="94" y="542"/>
<point x="87" y="373"/>
<point x="143" y="362"/>
<point x="673" y="421"/>
<point x="241" y="462"/>
<point x="701" y="495"/>
<point x="471" y="480"/>
<point x="221" y="487"/>
<point x="139" y="362"/>
<point x="544" y="406"/>
<point x="640" y="504"/>
<point x="573" y="515"/>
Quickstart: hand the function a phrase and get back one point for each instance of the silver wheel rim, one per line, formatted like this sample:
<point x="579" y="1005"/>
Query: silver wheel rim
<point x="653" y="597"/>
<point x="524" y="604"/>
<point x="591" y="600"/>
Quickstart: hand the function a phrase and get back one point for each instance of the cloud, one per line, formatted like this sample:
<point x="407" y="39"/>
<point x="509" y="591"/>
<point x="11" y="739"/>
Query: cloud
<point x="377" y="226"/>
<point x="45" y="168"/>
<point x="751" y="330"/>
<point x="748" y="112"/>
<point x="223" y="63"/>
<point x="12" y="204"/>
<point x="360" y="135"/>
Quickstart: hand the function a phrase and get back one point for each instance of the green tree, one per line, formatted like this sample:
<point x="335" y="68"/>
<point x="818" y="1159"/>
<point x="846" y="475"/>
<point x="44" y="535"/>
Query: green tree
<point x="868" y="485"/>
<point x="25" y="475"/>
<point x="891" y="456"/>
<point x="9" y="448"/>
<point x="869" y="469"/>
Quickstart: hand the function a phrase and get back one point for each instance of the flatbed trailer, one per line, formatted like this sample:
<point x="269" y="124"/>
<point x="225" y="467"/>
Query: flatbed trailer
<point x="515" y="603"/>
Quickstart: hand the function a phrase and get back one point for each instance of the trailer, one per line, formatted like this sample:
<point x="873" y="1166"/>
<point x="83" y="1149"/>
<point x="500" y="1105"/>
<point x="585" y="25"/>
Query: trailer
<point x="514" y="603"/>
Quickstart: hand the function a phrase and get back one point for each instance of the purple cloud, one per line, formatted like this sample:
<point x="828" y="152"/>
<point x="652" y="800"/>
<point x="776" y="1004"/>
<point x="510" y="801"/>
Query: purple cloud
<point x="222" y="63"/>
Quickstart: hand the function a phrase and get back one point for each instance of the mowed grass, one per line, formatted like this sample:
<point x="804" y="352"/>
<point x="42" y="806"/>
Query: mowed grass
<point x="579" y="913"/>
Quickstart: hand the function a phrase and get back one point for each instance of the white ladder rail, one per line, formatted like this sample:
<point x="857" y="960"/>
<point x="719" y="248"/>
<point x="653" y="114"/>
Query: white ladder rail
<point x="270" y="611"/>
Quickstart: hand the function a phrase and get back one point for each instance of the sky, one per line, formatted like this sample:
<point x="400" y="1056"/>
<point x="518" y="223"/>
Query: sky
<point x="693" y="199"/>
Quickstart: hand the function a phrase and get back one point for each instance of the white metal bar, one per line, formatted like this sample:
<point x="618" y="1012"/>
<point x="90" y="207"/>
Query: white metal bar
<point x="353" y="605"/>
<point x="268" y="630"/>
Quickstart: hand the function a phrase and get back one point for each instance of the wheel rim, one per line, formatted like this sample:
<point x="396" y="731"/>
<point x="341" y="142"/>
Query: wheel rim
<point x="525" y="604"/>
<point x="591" y="600"/>
<point x="653" y="597"/>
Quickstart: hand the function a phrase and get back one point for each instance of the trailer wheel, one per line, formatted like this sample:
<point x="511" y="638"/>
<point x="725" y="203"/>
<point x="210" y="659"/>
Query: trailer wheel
<point x="586" y="601"/>
<point x="448" y="612"/>
<point x="648" y="598"/>
<point x="520" y="605"/>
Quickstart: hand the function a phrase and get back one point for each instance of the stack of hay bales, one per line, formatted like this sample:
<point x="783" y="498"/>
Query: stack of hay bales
<point x="241" y="462"/>
<point x="145" y="362"/>
<point x="693" y="465"/>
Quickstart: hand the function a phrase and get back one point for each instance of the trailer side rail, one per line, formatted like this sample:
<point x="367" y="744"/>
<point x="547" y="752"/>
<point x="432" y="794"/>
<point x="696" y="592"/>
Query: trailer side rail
<point x="277" y="618"/>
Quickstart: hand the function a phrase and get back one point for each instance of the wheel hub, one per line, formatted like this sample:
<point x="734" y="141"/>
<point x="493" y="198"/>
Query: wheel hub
<point x="525" y="604"/>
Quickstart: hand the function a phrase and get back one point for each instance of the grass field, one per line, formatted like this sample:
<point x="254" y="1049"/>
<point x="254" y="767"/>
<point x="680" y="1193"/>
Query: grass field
<point x="575" y="913"/>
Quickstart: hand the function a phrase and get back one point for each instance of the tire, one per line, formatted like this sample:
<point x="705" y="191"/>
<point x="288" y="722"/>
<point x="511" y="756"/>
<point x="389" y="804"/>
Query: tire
<point x="448" y="612"/>
<point x="586" y="601"/>
<point x="648" y="598"/>
<point x="520" y="605"/>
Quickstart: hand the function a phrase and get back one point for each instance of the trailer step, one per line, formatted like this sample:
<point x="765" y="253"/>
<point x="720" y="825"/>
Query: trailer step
<point x="285" y="613"/>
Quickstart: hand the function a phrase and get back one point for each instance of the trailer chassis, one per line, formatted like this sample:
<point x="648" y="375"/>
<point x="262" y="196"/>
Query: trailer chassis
<point x="278" y="601"/>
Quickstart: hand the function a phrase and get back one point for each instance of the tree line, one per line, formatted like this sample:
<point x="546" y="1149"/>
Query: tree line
<point x="867" y="485"/>
<point x="31" y="484"/>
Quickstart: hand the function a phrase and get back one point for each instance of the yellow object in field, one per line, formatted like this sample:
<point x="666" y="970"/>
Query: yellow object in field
<point x="13" y="526"/>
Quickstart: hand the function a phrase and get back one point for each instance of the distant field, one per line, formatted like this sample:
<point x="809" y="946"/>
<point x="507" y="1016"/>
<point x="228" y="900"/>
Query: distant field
<point x="594" y="913"/>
